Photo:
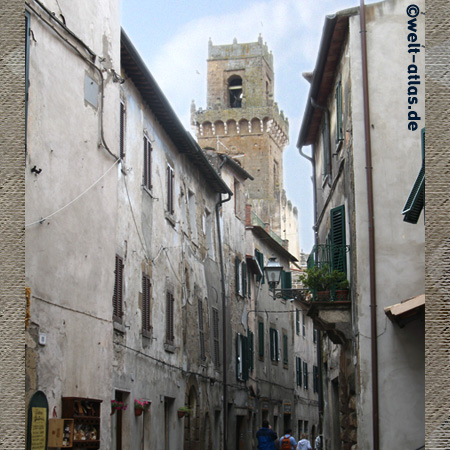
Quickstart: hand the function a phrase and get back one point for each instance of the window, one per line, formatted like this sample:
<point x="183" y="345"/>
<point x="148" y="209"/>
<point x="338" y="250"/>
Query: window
<point x="260" y="258"/>
<point x="118" y="290"/>
<point x="235" y="92"/>
<point x="286" y="283"/>
<point x="326" y="147"/>
<point x="209" y="233"/>
<point x="261" y="340"/>
<point x="274" y="345"/>
<point x="147" y="164"/>
<point x="146" y="311"/>
<point x="237" y="199"/>
<point x="122" y="131"/>
<point x="305" y="375"/>
<point x="297" y="321"/>
<point x="170" y="189"/>
<point x="315" y="379"/>
<point x="242" y="357"/>
<point x="251" y="351"/>
<point x="315" y="331"/>
<point x="303" y="325"/>
<point x="298" y="371"/>
<point x="169" y="318"/>
<point x="338" y="253"/>
<point x="339" y="125"/>
<point x="201" y="331"/>
<point x="285" y="350"/>
<point x="215" y="328"/>
<point x="192" y="217"/>
<point x="241" y="277"/>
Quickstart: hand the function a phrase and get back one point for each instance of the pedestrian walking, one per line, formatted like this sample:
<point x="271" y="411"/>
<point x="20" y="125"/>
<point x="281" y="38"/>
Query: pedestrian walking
<point x="318" y="442"/>
<point x="303" y="443"/>
<point x="288" y="442"/>
<point x="266" y="437"/>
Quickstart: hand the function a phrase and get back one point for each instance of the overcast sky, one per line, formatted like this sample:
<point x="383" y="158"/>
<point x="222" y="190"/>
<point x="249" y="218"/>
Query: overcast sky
<point x="172" y="38"/>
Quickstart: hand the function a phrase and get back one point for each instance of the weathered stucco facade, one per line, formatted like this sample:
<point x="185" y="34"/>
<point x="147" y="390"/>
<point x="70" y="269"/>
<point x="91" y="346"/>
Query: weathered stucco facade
<point x="361" y="411"/>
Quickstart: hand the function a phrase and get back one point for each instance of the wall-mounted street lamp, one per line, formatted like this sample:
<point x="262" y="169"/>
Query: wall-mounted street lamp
<point x="273" y="274"/>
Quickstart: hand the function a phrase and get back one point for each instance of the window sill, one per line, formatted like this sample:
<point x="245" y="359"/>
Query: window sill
<point x="169" y="347"/>
<point x="148" y="191"/>
<point x="118" y="327"/>
<point x="170" y="219"/>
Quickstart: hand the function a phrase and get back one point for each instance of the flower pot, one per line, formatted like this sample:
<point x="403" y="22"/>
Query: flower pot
<point x="138" y="411"/>
<point x="323" y="296"/>
<point x="342" y="295"/>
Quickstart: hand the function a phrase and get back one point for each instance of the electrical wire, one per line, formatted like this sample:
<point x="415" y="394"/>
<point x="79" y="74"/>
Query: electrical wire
<point x="72" y="201"/>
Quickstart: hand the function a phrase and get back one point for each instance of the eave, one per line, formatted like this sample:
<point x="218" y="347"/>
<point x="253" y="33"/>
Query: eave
<point x="138" y="73"/>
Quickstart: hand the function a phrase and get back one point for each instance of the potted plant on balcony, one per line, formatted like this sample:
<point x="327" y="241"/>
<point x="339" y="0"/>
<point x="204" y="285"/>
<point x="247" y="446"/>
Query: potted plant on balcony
<point x="118" y="405"/>
<point x="340" y="284"/>
<point x="183" y="411"/>
<point x="318" y="281"/>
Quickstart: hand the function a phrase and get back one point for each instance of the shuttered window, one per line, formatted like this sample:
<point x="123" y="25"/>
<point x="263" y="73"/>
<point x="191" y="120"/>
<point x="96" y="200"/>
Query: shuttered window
<point x="170" y="318"/>
<point x="315" y="379"/>
<point x="241" y="277"/>
<point x="118" y="290"/>
<point x="339" y="125"/>
<point x="242" y="357"/>
<point x="122" y="131"/>
<point x="215" y="327"/>
<point x="286" y="283"/>
<point x="298" y="371"/>
<point x="326" y="147"/>
<point x="251" y="351"/>
<point x="297" y="321"/>
<point x="146" y="311"/>
<point x="338" y="254"/>
<point x="260" y="258"/>
<point x="305" y="375"/>
<point x="261" y="340"/>
<point x="274" y="345"/>
<point x="147" y="181"/>
<point x="201" y="331"/>
<point x="170" y="189"/>
<point x="285" y="349"/>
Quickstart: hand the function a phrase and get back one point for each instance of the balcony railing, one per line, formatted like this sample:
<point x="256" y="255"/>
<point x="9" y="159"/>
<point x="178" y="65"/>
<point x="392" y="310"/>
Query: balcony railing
<point x="332" y="257"/>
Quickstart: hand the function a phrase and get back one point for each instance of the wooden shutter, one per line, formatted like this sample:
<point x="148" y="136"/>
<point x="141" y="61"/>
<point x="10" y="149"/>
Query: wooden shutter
<point x="251" y="351"/>
<point x="238" y="274"/>
<point x="305" y="375"/>
<point x="169" y="318"/>
<point x="170" y="189"/>
<point x="272" y="344"/>
<point x="238" y="357"/>
<point x="260" y="258"/>
<point x="315" y="379"/>
<point x="245" y="357"/>
<point x="285" y="349"/>
<point x="216" y="336"/>
<point x="122" y="131"/>
<point x="118" y="290"/>
<point x="147" y="163"/>
<point x="146" y="286"/>
<point x="297" y="321"/>
<point x="201" y="331"/>
<point x="244" y="278"/>
<point x="298" y="370"/>
<point x="338" y="253"/>
<point x="261" y="340"/>
<point x="326" y="147"/>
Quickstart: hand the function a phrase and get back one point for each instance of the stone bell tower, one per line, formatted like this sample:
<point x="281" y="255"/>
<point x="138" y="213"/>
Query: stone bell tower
<point x="242" y="120"/>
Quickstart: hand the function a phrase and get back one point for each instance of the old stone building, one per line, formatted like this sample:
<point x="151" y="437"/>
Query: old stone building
<point x="242" y="119"/>
<point x="368" y="175"/>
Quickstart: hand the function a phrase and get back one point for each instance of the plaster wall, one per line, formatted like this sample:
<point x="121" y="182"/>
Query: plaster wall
<point x="399" y="245"/>
<point x="71" y="205"/>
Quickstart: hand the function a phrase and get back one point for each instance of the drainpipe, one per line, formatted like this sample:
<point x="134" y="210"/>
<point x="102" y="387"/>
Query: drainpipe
<point x="316" y="239"/>
<point x="224" y="325"/>
<point x="371" y="226"/>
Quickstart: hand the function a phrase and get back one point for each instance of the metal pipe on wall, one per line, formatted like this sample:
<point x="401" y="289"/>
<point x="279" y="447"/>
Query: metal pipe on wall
<point x="371" y="230"/>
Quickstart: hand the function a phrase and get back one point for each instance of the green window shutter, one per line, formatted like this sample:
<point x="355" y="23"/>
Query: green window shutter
<point x="297" y="321"/>
<point x="249" y="283"/>
<point x="245" y="358"/>
<point x="273" y="345"/>
<point x="315" y="379"/>
<point x="416" y="200"/>
<point x="298" y="369"/>
<point x="251" y="350"/>
<point x="338" y="254"/>
<point x="260" y="258"/>
<point x="326" y="151"/>
<point x="339" y="125"/>
<point x="261" y="339"/>
<point x="238" y="357"/>
<point x="305" y="375"/>
<point x="285" y="349"/>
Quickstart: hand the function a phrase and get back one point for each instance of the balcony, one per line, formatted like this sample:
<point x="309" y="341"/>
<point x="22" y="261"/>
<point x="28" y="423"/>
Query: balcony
<point x="329" y="298"/>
